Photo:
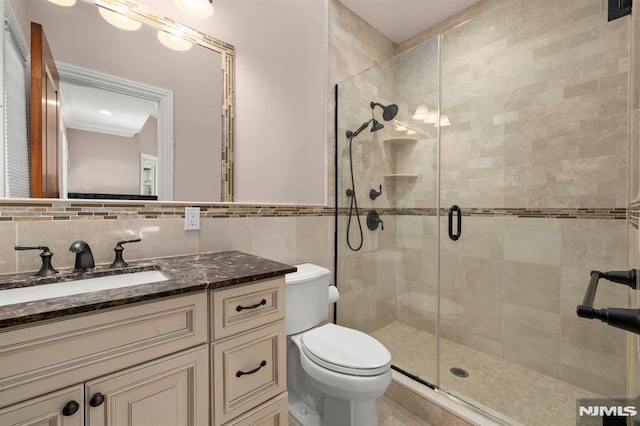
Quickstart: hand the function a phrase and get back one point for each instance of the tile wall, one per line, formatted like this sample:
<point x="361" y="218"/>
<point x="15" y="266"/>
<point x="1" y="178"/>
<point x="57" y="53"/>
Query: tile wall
<point x="289" y="234"/>
<point x="537" y="158"/>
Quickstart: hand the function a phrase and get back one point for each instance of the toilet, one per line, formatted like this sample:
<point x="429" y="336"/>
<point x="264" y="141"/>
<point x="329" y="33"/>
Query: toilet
<point x="334" y="373"/>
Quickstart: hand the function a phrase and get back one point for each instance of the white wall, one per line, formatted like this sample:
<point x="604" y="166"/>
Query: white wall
<point x="281" y="69"/>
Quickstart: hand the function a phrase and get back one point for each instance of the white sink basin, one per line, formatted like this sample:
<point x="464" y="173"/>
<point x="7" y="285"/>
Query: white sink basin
<point x="88" y="285"/>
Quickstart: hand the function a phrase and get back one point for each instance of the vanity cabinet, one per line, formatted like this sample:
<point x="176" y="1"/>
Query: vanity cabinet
<point x="148" y="359"/>
<point x="248" y="353"/>
<point x="210" y="357"/>
<point x="170" y="391"/>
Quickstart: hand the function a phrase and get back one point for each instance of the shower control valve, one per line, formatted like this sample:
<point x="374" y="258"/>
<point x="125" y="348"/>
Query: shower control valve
<point x="373" y="220"/>
<point x="373" y="194"/>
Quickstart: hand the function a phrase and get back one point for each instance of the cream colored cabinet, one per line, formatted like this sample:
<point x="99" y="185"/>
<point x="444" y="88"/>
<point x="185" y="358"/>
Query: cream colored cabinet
<point x="249" y="352"/>
<point x="171" y="391"/>
<point x="272" y="413"/>
<point x="61" y="408"/>
<point x="205" y="358"/>
<point x="154" y="353"/>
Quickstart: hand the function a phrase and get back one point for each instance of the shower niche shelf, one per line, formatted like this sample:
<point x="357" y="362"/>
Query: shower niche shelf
<point x="401" y="176"/>
<point x="400" y="141"/>
<point x="400" y="149"/>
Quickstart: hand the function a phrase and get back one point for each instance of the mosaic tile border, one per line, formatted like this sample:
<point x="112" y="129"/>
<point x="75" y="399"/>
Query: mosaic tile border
<point x="634" y="214"/>
<point x="549" y="213"/>
<point x="27" y="209"/>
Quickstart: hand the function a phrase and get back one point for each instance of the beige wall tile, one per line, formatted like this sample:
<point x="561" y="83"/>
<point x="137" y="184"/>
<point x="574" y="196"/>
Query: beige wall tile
<point x="593" y="349"/>
<point x="312" y="236"/>
<point x="533" y="240"/>
<point x="531" y="332"/>
<point x="8" y="256"/>
<point x="274" y="238"/>
<point x="218" y="234"/>
<point x="160" y="237"/>
<point x="101" y="235"/>
<point x="532" y="285"/>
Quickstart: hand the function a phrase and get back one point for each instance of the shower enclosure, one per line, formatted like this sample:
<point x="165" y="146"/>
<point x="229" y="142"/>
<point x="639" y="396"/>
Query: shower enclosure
<point x="503" y="182"/>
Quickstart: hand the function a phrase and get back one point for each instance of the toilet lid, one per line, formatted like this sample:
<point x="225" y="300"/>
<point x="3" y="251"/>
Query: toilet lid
<point x="345" y="350"/>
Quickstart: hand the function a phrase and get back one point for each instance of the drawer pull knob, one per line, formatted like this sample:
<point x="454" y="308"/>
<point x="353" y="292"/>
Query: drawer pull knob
<point x="239" y="308"/>
<point x="96" y="400"/>
<point x="70" y="409"/>
<point x="242" y="373"/>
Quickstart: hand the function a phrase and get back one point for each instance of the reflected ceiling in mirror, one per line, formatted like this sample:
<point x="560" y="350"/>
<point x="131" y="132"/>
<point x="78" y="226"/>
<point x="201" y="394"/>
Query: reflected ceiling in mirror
<point x="221" y="157"/>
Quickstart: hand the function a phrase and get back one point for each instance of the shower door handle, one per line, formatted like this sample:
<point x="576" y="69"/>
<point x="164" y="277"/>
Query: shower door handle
<point x="458" y="211"/>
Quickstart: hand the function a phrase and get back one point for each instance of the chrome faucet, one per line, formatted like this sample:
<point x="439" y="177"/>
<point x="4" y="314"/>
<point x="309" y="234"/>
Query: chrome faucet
<point x="84" y="257"/>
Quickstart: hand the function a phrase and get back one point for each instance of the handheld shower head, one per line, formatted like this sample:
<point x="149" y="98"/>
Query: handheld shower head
<point x="388" y="112"/>
<point x="351" y="135"/>
<point x="376" y="126"/>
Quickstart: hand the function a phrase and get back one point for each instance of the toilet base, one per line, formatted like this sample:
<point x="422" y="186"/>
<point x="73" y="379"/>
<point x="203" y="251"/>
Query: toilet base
<point x="341" y="412"/>
<point x="336" y="412"/>
<point x="300" y="411"/>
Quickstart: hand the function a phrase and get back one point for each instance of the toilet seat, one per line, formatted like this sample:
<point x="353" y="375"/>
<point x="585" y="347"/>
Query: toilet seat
<point x="345" y="350"/>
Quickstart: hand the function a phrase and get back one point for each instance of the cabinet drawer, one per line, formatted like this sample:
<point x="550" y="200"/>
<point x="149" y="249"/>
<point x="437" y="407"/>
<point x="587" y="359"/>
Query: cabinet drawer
<point x="274" y="412"/>
<point x="248" y="370"/>
<point x="239" y="309"/>
<point x="45" y="357"/>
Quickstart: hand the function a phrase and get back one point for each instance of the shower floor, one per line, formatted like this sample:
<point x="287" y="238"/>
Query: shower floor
<point x="494" y="384"/>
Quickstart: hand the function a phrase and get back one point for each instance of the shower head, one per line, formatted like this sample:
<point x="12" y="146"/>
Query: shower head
<point x="376" y="126"/>
<point x="388" y="112"/>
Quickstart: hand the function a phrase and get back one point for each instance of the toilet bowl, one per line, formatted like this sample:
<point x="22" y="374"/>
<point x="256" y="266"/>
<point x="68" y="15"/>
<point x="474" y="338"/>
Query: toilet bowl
<point x="334" y="373"/>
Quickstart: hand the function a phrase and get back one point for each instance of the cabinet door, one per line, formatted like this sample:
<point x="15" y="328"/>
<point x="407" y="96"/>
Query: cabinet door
<point x="170" y="391"/>
<point x="61" y="408"/>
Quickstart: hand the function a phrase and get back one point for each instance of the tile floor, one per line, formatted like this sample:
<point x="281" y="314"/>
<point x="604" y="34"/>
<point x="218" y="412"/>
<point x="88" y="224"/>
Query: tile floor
<point x="522" y="395"/>
<point x="389" y="414"/>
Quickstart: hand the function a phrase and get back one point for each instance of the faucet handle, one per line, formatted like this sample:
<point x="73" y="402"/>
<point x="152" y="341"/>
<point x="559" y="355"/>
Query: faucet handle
<point x="120" y="243"/>
<point x="119" y="261"/>
<point x="47" y="268"/>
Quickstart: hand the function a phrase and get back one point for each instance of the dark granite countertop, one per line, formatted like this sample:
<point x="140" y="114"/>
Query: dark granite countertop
<point x="189" y="273"/>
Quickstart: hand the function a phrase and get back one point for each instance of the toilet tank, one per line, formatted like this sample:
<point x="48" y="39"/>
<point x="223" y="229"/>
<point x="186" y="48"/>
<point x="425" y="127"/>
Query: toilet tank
<point x="307" y="297"/>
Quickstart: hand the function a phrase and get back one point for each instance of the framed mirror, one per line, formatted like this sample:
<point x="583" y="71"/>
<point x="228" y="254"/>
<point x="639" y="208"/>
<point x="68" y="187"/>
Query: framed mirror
<point x="190" y="112"/>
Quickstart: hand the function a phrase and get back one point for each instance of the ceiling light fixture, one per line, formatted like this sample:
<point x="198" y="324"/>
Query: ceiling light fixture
<point x="431" y="117"/>
<point x="119" y="20"/>
<point x="421" y="113"/>
<point x="173" y="41"/>
<point x="105" y="112"/>
<point x="197" y="8"/>
<point x="65" y="3"/>
<point x="444" y="121"/>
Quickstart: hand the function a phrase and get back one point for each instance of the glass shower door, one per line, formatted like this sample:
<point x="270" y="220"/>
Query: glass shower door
<point x="520" y="158"/>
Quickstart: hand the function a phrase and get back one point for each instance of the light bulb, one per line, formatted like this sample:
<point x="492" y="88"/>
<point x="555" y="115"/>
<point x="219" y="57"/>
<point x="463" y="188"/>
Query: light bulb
<point x="421" y="113"/>
<point x="65" y="3"/>
<point x="118" y="20"/>
<point x="431" y="118"/>
<point x="197" y="8"/>
<point x="173" y="41"/>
